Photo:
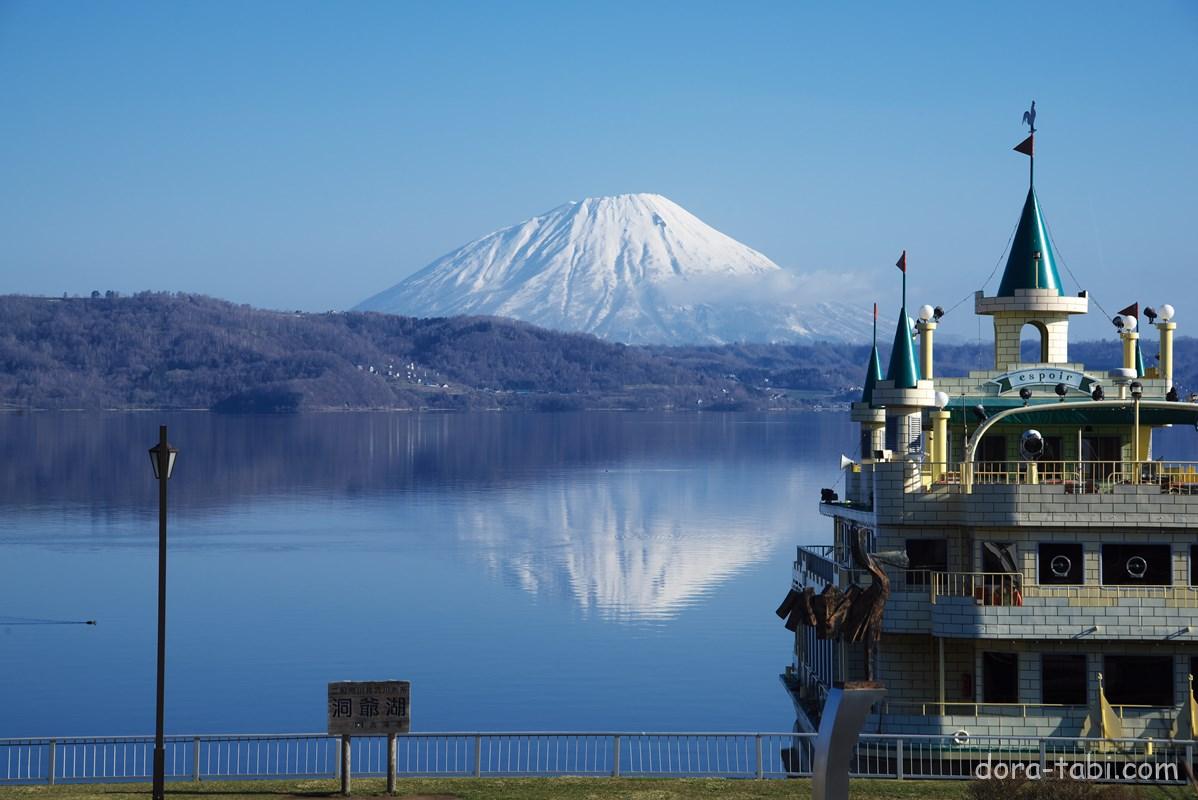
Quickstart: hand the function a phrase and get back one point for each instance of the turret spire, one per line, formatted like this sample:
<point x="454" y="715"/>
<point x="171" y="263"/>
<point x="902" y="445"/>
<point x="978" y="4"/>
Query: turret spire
<point x="873" y="372"/>
<point x="1032" y="263"/>
<point x="904" y="369"/>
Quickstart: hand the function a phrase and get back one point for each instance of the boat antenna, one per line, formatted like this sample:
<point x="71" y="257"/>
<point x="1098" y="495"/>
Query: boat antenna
<point x="7" y="621"/>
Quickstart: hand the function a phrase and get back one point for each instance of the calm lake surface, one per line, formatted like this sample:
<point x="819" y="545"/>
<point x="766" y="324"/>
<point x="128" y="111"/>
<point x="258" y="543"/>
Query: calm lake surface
<point x="525" y="572"/>
<point x="541" y="571"/>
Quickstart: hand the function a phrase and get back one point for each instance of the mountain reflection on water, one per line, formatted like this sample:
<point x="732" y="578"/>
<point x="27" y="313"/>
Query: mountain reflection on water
<point x="569" y="571"/>
<point x="634" y="543"/>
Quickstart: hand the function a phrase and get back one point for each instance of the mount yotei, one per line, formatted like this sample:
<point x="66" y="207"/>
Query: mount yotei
<point x="635" y="268"/>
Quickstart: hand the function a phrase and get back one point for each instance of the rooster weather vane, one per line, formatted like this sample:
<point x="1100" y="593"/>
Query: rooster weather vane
<point x="1029" y="117"/>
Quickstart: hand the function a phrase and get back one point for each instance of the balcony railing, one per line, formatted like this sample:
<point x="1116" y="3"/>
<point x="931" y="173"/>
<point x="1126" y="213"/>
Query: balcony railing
<point x="969" y="708"/>
<point x="816" y="561"/>
<point x="988" y="588"/>
<point x="1074" y="477"/>
<point x="1013" y="588"/>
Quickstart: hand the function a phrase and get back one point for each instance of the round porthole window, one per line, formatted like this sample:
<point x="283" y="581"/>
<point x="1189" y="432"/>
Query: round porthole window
<point x="1137" y="567"/>
<point x="1060" y="566"/>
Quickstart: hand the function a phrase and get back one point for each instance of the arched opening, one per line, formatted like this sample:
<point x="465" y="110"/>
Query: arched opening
<point x="1033" y="343"/>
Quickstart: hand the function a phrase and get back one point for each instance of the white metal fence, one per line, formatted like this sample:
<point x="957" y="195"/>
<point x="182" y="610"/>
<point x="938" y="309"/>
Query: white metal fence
<point x="733" y="755"/>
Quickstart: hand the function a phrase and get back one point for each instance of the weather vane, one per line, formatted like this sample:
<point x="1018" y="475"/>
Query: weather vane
<point x="1029" y="117"/>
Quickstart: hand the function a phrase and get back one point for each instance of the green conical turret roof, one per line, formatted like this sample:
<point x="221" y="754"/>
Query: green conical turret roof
<point x="1024" y="270"/>
<point x="904" y="369"/>
<point x="873" y="374"/>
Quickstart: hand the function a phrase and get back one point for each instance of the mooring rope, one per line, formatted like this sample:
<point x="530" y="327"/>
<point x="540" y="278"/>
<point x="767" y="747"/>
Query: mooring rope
<point x="992" y="272"/>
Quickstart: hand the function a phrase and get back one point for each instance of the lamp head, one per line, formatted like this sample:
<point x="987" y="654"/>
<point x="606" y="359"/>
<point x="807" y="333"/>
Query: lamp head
<point x="1150" y="314"/>
<point x="926" y="312"/>
<point x="1031" y="445"/>
<point x="162" y="455"/>
<point x="1097" y="394"/>
<point x="979" y="411"/>
<point x="1061" y="390"/>
<point x="937" y="313"/>
<point x="1129" y="322"/>
<point x="941" y="399"/>
<point x="1025" y="394"/>
<point x="1118" y="322"/>
<point x="1136" y="389"/>
<point x="1166" y="313"/>
<point x="1171" y="395"/>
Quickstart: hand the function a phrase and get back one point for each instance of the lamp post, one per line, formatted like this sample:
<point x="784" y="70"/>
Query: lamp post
<point x="1137" y="391"/>
<point x="162" y="456"/>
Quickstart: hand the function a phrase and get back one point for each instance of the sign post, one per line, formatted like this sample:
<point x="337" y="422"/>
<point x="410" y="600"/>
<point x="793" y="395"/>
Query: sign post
<point x="369" y="708"/>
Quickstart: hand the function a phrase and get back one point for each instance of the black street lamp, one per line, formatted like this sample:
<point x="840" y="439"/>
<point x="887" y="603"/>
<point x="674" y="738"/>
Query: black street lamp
<point x="162" y="456"/>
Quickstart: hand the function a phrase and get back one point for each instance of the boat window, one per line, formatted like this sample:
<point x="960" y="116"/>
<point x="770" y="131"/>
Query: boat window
<point x="924" y="556"/>
<point x="1138" y="680"/>
<point x="1063" y="678"/>
<point x="915" y="434"/>
<point x="1061" y="564"/>
<point x="1000" y="677"/>
<point x="1137" y="565"/>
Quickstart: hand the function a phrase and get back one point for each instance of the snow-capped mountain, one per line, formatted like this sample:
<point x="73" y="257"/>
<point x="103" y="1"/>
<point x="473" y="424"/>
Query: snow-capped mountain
<point x="635" y="268"/>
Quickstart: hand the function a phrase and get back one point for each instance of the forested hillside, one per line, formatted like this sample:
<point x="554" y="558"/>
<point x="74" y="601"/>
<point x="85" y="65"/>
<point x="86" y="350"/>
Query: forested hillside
<point x="188" y="351"/>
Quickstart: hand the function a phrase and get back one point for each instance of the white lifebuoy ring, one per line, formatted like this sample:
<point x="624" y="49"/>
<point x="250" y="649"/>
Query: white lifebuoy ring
<point x="961" y="736"/>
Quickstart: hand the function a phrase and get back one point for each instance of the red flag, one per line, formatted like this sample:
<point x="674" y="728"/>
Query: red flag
<point x="1027" y="146"/>
<point x="875" y="312"/>
<point x="902" y="262"/>
<point x="1133" y="310"/>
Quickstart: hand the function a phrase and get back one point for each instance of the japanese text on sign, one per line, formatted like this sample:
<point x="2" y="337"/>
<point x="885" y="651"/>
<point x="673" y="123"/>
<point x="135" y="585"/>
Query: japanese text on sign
<point x="369" y="707"/>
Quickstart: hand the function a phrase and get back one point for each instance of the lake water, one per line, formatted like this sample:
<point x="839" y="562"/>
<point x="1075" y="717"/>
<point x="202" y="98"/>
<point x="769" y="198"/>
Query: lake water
<point x="525" y="572"/>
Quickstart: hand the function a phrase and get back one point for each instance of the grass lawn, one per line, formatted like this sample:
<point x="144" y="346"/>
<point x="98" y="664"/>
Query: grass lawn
<point x="518" y="789"/>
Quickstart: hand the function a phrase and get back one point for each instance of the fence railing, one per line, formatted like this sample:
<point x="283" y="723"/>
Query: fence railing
<point x="719" y="754"/>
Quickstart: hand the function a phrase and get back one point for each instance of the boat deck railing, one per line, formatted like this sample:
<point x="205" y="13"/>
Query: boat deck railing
<point x="816" y="561"/>
<point x="969" y="708"/>
<point x="1073" y="477"/>
<point x="986" y="588"/>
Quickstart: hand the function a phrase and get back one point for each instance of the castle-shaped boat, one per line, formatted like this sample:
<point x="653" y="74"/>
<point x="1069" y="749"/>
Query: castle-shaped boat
<point x="1043" y="566"/>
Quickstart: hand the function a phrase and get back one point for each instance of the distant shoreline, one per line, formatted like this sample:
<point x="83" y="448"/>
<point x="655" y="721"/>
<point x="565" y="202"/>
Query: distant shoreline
<point x="174" y="352"/>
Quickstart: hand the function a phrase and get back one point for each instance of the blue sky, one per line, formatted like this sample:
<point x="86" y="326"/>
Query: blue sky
<point x="307" y="155"/>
